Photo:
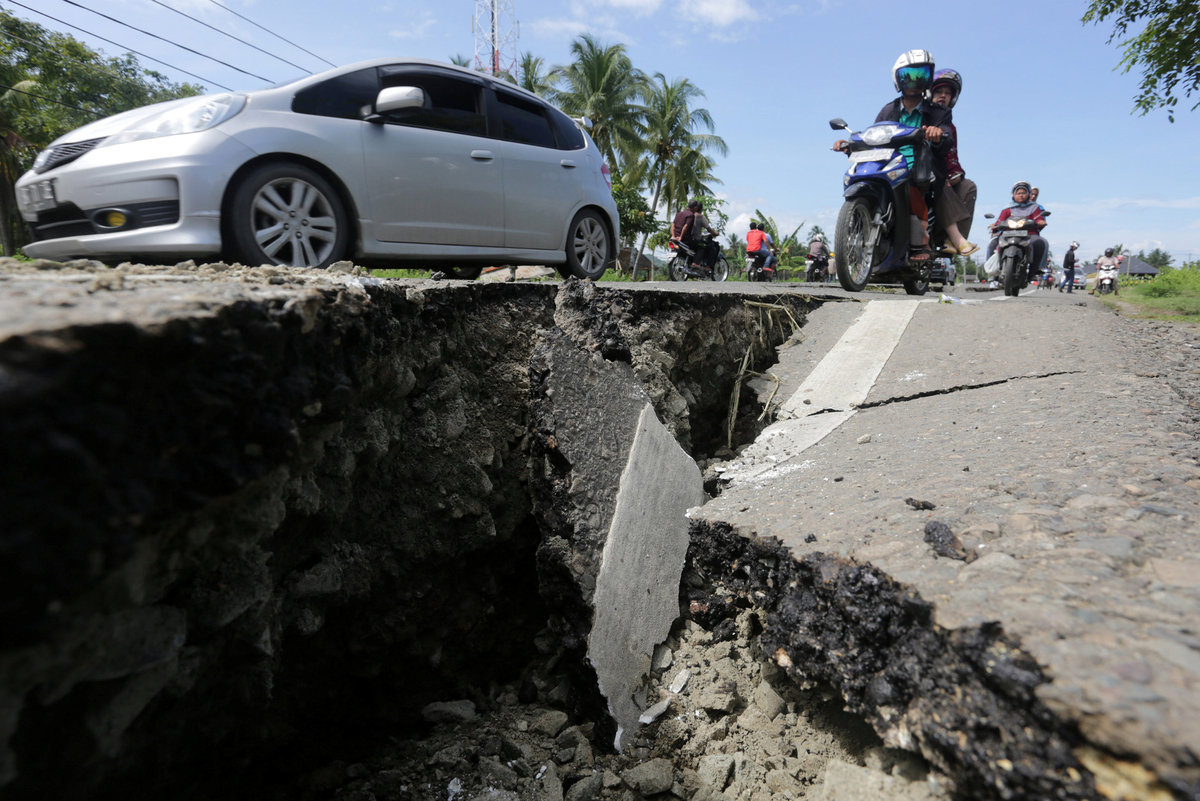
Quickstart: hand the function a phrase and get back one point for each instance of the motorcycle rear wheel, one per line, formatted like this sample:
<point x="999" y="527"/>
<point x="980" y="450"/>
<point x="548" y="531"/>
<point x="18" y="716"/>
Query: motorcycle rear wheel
<point x="720" y="270"/>
<point x="676" y="269"/>
<point x="916" y="286"/>
<point x="853" y="233"/>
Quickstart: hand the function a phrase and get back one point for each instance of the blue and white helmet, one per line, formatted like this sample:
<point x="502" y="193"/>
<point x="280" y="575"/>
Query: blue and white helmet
<point x="913" y="70"/>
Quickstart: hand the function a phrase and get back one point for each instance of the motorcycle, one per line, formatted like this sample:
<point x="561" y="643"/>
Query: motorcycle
<point x="818" y="270"/>
<point x="1106" y="282"/>
<point x="1015" y="250"/>
<point x="755" y="269"/>
<point x="683" y="264"/>
<point x="874" y="231"/>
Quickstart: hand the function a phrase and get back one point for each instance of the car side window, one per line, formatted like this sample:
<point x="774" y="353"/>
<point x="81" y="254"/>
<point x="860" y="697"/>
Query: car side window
<point x="523" y="120"/>
<point x="569" y="135"/>
<point x="451" y="104"/>
<point x="344" y="96"/>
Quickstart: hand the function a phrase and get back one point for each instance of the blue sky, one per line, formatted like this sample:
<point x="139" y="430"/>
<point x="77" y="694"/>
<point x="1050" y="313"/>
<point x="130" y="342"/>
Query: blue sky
<point x="1042" y="100"/>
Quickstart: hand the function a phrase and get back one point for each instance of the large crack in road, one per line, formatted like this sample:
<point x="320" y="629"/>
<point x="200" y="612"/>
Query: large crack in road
<point x="259" y="521"/>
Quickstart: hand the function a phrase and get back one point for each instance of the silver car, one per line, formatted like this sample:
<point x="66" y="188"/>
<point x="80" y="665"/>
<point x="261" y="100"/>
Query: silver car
<point x="384" y="161"/>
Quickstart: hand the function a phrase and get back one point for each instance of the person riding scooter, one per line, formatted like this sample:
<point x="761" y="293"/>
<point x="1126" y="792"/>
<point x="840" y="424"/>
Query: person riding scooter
<point x="758" y="246"/>
<point x="1106" y="267"/>
<point x="818" y="254"/>
<point x="1023" y="207"/>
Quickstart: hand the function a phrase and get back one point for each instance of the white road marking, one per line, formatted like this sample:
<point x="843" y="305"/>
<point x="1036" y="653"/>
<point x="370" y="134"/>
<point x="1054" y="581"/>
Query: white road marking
<point x="830" y="394"/>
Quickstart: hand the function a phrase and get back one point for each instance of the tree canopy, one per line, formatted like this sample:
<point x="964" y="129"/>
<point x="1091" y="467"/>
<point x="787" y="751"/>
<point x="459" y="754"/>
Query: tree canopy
<point x="1167" y="49"/>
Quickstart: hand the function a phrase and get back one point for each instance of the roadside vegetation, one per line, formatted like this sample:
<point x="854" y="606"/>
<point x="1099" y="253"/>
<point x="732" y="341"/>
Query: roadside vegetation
<point x="1173" y="295"/>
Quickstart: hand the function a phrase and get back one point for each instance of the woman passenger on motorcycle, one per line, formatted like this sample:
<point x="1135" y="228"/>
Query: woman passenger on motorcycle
<point x="956" y="204"/>
<point x="1023" y="207"/>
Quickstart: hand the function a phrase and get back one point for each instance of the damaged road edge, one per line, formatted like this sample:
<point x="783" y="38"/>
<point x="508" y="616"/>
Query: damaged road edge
<point x="964" y="699"/>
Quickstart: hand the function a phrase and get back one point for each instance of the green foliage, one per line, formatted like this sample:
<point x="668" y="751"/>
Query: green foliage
<point x="1156" y="258"/>
<point x="633" y="210"/>
<point x="1172" y="283"/>
<point x="1165" y="50"/>
<point x="54" y="84"/>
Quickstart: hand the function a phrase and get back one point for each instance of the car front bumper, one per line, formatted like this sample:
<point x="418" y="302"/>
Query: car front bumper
<point x="169" y="191"/>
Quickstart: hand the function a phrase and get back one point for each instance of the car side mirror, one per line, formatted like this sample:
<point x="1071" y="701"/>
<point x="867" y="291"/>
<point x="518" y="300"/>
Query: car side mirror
<point x="397" y="98"/>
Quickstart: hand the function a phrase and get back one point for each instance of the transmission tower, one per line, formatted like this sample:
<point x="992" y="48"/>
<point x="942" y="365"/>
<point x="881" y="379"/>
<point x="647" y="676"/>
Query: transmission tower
<point x="496" y="32"/>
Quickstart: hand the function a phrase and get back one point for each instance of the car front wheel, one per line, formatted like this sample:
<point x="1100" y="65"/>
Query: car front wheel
<point x="589" y="249"/>
<point x="287" y="214"/>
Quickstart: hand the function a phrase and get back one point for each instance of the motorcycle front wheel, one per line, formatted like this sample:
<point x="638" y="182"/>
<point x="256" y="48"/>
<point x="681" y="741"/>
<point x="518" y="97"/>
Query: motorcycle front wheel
<point x="676" y="269"/>
<point x="720" y="270"/>
<point x="853" y="258"/>
<point x="1009" y="268"/>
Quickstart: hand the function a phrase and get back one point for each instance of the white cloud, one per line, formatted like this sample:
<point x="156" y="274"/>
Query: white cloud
<point x="418" y="29"/>
<point x="641" y="7"/>
<point x="723" y="13"/>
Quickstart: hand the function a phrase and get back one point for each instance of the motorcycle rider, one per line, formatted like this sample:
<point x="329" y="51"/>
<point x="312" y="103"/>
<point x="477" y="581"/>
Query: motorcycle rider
<point x="706" y="251"/>
<point x="687" y="229"/>
<point x="912" y="75"/>
<point x="819" y="254"/>
<point x="956" y="203"/>
<point x="1023" y="207"/>
<point x="758" y="244"/>
<point x="1107" y="267"/>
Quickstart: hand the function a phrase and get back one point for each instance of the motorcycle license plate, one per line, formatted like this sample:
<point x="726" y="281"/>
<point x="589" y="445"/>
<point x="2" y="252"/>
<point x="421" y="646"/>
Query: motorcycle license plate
<point x="878" y="154"/>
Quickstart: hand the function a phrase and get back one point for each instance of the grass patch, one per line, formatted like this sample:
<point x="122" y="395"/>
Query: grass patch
<point x="1173" y="295"/>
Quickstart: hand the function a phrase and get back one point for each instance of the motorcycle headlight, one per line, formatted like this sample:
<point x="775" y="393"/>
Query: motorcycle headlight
<point x="880" y="134"/>
<point x="199" y="115"/>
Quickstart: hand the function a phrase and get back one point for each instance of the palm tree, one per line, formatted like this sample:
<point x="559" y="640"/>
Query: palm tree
<point x="602" y="84"/>
<point x="534" y="77"/>
<point x="675" y="153"/>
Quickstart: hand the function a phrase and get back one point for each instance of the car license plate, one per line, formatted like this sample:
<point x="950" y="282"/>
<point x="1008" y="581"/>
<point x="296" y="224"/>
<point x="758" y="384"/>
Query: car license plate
<point x="39" y="196"/>
<point x="878" y="154"/>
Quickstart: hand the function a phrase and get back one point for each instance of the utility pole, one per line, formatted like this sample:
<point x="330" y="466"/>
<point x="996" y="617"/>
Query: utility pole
<point x="496" y="32"/>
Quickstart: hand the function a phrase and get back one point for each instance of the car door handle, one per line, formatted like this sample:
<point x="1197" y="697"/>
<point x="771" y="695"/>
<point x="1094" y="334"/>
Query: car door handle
<point x="567" y="163"/>
<point x="482" y="155"/>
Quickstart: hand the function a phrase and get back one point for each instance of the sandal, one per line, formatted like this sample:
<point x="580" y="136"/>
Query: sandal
<point x="919" y="254"/>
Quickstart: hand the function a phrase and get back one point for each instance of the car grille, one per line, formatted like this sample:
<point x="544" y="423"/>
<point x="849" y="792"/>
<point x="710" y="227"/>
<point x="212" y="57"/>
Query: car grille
<point x="65" y="154"/>
<point x="70" y="220"/>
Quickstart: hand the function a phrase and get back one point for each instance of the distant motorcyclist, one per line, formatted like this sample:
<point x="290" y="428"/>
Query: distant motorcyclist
<point x="688" y="228"/>
<point x="1023" y="207"/>
<point x="818" y="254"/>
<point x="1107" y="266"/>
<point x="758" y="243"/>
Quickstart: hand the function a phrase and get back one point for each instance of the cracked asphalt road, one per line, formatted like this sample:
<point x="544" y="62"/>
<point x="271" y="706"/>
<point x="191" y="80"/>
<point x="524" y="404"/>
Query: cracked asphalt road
<point x="1058" y="442"/>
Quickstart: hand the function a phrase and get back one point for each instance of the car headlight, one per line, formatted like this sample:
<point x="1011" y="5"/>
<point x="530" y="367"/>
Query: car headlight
<point x="880" y="134"/>
<point x="199" y="115"/>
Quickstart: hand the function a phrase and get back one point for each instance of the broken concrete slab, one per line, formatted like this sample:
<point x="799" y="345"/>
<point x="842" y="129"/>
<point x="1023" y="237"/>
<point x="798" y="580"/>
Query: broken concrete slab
<point x="614" y="491"/>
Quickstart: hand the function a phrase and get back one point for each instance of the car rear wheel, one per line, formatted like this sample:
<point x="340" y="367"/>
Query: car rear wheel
<point x="589" y="251"/>
<point x="287" y="214"/>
